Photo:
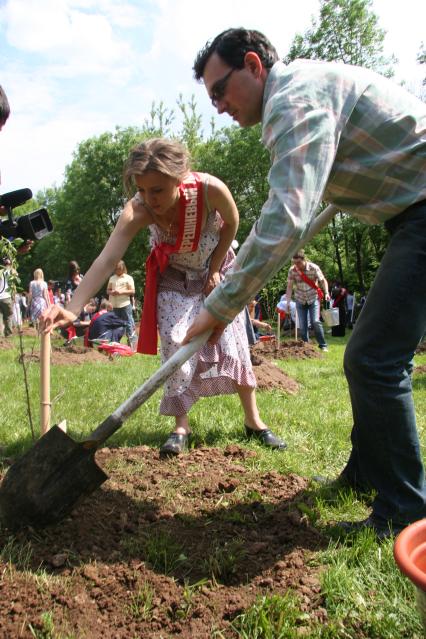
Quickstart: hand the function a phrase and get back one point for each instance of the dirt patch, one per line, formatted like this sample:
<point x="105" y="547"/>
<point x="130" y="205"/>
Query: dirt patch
<point x="70" y="355"/>
<point x="420" y="370"/>
<point x="288" y="349"/>
<point x="77" y="355"/>
<point x="270" y="377"/>
<point x="163" y="549"/>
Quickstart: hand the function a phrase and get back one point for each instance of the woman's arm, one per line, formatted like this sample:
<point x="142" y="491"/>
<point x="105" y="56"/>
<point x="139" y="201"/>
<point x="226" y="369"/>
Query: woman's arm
<point x="221" y="199"/>
<point x="133" y="218"/>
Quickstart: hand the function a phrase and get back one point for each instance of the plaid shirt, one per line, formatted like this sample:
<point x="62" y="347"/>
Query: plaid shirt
<point x="305" y="293"/>
<point x="337" y="133"/>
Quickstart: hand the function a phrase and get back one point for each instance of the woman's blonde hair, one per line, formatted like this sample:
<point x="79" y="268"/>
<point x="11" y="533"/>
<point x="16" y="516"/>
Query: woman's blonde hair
<point x="38" y="274"/>
<point x="122" y="264"/>
<point x="168" y="157"/>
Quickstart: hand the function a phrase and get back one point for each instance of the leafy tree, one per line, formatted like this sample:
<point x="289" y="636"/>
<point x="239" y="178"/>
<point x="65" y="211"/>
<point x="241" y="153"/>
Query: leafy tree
<point x="237" y="157"/>
<point x="347" y="31"/>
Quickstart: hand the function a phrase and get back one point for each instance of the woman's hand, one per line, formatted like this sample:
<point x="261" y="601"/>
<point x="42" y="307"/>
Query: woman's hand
<point x="212" y="281"/>
<point x="56" y="317"/>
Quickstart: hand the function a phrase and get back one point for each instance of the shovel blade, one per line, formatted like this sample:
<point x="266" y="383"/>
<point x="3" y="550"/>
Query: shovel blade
<point x="44" y="485"/>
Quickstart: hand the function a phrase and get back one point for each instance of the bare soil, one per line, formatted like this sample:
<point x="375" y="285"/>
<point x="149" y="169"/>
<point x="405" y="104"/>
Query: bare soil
<point x="166" y="548"/>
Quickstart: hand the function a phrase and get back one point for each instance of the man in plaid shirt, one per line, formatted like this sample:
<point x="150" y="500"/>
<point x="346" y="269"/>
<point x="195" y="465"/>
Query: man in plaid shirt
<point x="309" y="283"/>
<point x="348" y="136"/>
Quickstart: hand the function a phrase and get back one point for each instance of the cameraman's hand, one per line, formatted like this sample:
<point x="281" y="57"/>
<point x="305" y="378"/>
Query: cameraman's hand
<point x="56" y="317"/>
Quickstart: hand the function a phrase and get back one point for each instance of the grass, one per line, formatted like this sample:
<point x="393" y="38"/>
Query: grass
<point x="364" y="594"/>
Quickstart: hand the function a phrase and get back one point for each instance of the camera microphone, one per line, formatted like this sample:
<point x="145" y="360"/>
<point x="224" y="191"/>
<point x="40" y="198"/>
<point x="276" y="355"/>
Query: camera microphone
<point x="15" y="198"/>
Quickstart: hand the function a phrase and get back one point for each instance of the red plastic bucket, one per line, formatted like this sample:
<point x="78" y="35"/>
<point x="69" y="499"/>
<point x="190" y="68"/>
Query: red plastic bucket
<point x="410" y="555"/>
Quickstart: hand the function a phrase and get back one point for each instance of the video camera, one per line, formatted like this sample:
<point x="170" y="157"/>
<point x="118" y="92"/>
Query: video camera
<point x="31" y="226"/>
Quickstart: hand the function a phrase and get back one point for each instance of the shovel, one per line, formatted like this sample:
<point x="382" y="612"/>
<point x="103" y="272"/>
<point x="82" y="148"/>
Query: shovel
<point x="44" y="485"/>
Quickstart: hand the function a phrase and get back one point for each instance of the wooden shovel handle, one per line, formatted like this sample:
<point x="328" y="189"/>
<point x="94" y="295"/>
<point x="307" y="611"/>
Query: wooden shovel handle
<point x="44" y="382"/>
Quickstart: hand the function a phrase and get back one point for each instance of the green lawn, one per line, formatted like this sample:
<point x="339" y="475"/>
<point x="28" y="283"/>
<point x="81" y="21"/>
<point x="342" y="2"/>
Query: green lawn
<point x="360" y="581"/>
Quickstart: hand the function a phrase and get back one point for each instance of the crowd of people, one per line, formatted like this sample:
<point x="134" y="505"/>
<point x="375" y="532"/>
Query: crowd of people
<point x="26" y="307"/>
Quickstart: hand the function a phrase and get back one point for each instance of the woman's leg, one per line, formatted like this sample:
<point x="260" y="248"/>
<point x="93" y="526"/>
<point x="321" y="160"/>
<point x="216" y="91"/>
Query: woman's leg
<point x="247" y="395"/>
<point x="254" y="425"/>
<point x="182" y="425"/>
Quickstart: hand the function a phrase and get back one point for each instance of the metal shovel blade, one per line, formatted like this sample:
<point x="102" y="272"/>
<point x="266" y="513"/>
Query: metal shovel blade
<point x="44" y="485"/>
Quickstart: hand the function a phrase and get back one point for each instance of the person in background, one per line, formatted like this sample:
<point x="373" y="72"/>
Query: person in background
<point x="105" y="326"/>
<point x="192" y="219"/>
<point x="338" y="296"/>
<point x="121" y="289"/>
<point x="38" y="298"/>
<point x="349" y="306"/>
<point x="310" y="287"/>
<point x="74" y="279"/>
<point x="6" y="303"/>
<point x="348" y="136"/>
<point x="24" y="305"/>
<point x="50" y="288"/>
<point x="259" y="326"/>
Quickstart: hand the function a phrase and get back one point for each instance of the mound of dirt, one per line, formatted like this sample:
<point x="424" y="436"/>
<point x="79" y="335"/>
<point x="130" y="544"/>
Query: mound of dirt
<point x="73" y="354"/>
<point x="288" y="349"/>
<point x="270" y="377"/>
<point x="70" y="355"/>
<point x="163" y="549"/>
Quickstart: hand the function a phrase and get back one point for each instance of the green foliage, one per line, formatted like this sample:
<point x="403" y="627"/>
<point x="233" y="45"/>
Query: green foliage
<point x="271" y="618"/>
<point x="347" y="31"/>
<point x="238" y="157"/>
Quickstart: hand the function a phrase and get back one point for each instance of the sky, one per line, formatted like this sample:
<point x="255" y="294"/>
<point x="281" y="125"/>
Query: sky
<point x="73" y="69"/>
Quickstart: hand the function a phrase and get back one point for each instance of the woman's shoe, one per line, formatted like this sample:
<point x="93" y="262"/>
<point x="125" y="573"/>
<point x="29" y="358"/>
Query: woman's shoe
<point x="174" y="445"/>
<point x="266" y="437"/>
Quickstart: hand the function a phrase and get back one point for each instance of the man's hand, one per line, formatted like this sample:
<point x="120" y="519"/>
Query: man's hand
<point x="56" y="317"/>
<point x="213" y="280"/>
<point x="203" y="322"/>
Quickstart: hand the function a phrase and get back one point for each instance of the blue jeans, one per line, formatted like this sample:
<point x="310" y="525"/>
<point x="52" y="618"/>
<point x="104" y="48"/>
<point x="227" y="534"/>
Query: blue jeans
<point x="126" y="313"/>
<point x="314" y="312"/>
<point x="378" y="364"/>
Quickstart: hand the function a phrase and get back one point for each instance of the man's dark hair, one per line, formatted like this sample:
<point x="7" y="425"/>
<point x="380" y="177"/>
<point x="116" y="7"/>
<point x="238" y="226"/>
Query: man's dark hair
<point x="232" y="45"/>
<point x="4" y="106"/>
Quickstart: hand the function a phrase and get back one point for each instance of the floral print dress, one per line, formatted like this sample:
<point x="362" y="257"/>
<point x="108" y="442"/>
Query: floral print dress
<point x="214" y="370"/>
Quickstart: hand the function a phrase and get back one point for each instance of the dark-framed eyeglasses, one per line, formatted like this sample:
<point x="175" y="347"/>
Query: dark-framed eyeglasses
<point x="219" y="88"/>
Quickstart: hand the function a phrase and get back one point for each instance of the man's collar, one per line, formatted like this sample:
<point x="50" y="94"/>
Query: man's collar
<point x="272" y="76"/>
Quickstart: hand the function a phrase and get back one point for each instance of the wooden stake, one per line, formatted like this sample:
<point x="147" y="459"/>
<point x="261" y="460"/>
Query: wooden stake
<point x="45" y="405"/>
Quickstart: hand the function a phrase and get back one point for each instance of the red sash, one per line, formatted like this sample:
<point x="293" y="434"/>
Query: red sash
<point x="190" y="217"/>
<point x="308" y="281"/>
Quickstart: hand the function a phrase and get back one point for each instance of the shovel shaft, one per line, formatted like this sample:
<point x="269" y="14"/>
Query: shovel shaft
<point x="127" y="408"/>
<point x="319" y="222"/>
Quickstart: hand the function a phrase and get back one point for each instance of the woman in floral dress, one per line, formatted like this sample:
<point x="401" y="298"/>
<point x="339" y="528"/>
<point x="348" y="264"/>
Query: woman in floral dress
<point x="38" y="297"/>
<point x="192" y="220"/>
